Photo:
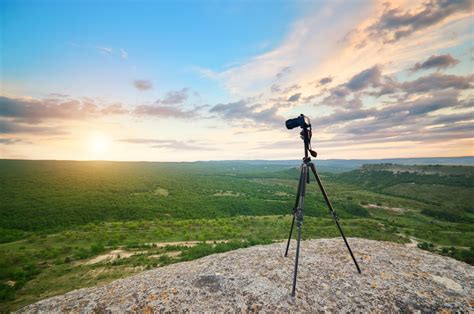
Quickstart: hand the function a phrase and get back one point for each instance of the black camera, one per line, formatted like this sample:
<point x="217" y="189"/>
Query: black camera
<point x="302" y="121"/>
<point x="306" y="133"/>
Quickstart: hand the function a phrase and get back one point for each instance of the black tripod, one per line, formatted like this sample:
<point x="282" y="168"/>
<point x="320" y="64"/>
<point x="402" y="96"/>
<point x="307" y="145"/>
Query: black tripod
<point x="300" y="195"/>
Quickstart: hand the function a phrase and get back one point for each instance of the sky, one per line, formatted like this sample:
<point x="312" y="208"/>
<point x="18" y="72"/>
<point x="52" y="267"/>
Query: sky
<point x="215" y="80"/>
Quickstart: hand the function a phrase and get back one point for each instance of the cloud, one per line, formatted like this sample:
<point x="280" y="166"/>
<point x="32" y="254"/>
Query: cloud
<point x="283" y="72"/>
<point x="339" y="95"/>
<point x="418" y="120"/>
<point x="105" y="50"/>
<point x="114" y="109"/>
<point x="454" y="118"/>
<point x="58" y="95"/>
<point x="341" y="116"/>
<point x="290" y="88"/>
<point x="35" y="111"/>
<point x="417" y="110"/>
<point x="9" y="141"/>
<point x="16" y="112"/>
<point x="325" y="80"/>
<point x="244" y="111"/>
<point x="12" y="127"/>
<point x="275" y="88"/>
<point x="294" y="97"/>
<point x="175" y="97"/>
<point x="164" y="111"/>
<point x="323" y="55"/>
<point x="364" y="79"/>
<point x="437" y="81"/>
<point x="423" y="105"/>
<point x="169" y="144"/>
<point x="302" y="50"/>
<point x="406" y="137"/>
<point x="466" y="103"/>
<point x="395" y="23"/>
<point x="283" y="144"/>
<point x="370" y="99"/>
<point x="143" y="85"/>
<point x="371" y="82"/>
<point x="404" y="133"/>
<point x="108" y="51"/>
<point x="123" y="54"/>
<point x="437" y="62"/>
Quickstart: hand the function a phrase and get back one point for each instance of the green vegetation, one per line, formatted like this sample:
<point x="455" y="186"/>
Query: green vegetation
<point x="446" y="192"/>
<point x="66" y="225"/>
<point x="464" y="255"/>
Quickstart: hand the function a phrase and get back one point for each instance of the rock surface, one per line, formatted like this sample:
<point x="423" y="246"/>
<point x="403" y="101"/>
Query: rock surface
<point x="394" y="278"/>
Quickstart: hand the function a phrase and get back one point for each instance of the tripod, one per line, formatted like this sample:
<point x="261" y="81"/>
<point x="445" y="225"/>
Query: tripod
<point x="300" y="196"/>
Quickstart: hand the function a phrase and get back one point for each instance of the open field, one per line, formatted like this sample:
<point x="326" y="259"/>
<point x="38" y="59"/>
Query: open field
<point x="66" y="225"/>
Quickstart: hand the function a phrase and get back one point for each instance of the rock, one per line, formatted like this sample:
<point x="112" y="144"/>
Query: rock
<point x="448" y="283"/>
<point x="394" y="278"/>
<point x="211" y="282"/>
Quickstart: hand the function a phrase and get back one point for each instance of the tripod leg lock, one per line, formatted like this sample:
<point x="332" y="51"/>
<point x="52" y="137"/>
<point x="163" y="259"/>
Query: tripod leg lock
<point x="299" y="217"/>
<point x="334" y="215"/>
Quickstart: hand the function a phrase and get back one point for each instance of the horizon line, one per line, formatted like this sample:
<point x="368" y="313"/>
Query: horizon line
<point x="220" y="160"/>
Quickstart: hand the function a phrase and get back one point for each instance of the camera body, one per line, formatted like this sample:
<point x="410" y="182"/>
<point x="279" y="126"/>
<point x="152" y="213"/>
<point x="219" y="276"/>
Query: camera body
<point x="306" y="133"/>
<point x="301" y="121"/>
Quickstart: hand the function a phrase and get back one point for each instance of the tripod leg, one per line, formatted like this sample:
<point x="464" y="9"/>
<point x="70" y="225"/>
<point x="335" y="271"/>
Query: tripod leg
<point x="293" y="291"/>
<point x="289" y="237"/>
<point x="294" y="211"/>
<point x="299" y="222"/>
<point x="333" y="213"/>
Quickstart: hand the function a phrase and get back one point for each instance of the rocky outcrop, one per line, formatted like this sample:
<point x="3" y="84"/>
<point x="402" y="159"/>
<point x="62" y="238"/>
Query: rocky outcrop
<point x="394" y="278"/>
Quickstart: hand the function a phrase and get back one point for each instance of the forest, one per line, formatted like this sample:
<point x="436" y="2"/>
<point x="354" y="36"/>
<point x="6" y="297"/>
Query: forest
<point x="65" y="225"/>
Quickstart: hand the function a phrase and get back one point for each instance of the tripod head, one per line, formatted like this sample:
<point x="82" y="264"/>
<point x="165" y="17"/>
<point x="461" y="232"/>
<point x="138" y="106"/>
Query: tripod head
<point x="306" y="132"/>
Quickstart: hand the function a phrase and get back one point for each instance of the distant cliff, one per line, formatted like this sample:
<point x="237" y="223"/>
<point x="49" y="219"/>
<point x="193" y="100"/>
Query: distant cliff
<point x="394" y="278"/>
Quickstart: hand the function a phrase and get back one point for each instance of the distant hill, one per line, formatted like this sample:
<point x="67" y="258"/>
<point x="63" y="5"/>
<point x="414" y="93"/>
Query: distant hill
<point x="380" y="176"/>
<point x="440" y="170"/>
<point x="325" y="165"/>
<point x="338" y="165"/>
<point x="448" y="188"/>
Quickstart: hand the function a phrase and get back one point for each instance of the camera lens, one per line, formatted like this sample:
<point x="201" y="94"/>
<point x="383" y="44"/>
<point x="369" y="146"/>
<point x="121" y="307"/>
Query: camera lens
<point x="292" y="123"/>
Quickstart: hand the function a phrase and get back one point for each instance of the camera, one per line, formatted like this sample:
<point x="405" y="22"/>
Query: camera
<point x="301" y="121"/>
<point x="306" y="133"/>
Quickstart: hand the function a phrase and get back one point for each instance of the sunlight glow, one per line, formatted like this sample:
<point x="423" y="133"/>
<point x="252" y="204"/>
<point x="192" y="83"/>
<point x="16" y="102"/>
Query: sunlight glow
<point x="99" y="144"/>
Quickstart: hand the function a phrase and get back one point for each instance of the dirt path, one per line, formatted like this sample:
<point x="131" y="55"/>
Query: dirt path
<point x="184" y="243"/>
<point x="24" y="240"/>
<point x="121" y="253"/>
<point x="393" y="209"/>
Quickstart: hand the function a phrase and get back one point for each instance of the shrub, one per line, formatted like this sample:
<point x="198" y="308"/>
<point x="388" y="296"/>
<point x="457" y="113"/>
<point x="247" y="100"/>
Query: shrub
<point x="96" y="248"/>
<point x="426" y="246"/>
<point x="7" y="292"/>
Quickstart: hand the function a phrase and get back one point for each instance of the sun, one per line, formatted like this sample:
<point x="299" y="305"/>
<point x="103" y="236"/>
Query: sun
<point x="99" y="144"/>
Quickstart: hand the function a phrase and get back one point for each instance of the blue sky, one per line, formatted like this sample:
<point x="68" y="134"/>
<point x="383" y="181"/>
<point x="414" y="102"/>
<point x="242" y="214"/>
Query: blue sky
<point x="163" y="41"/>
<point x="152" y="80"/>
